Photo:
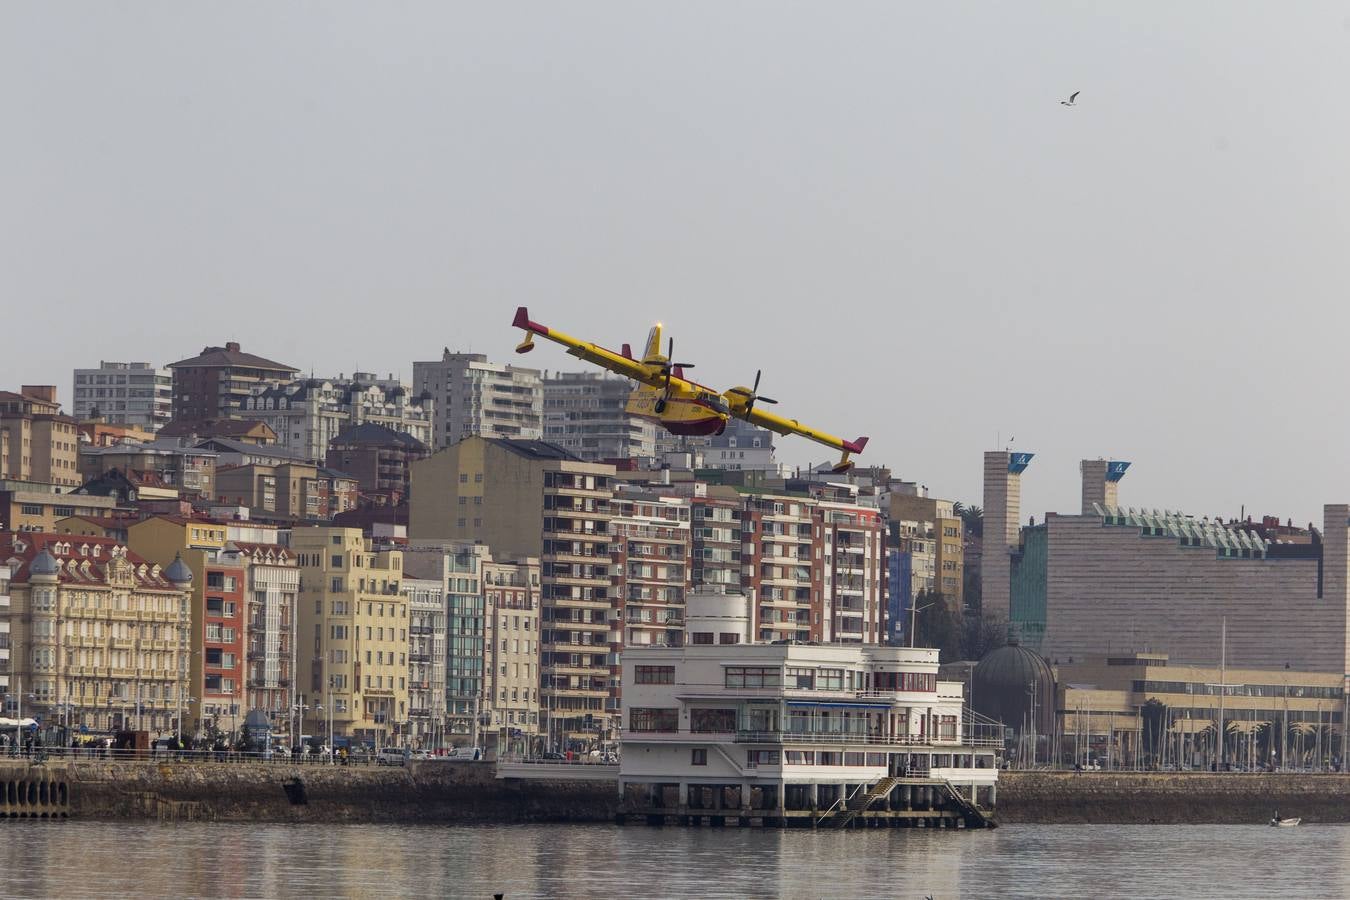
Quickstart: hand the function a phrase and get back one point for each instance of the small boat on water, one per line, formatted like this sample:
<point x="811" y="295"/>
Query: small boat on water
<point x="1285" y="823"/>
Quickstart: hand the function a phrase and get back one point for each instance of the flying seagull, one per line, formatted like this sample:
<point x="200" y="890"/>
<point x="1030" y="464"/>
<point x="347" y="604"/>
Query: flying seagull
<point x="1070" y="102"/>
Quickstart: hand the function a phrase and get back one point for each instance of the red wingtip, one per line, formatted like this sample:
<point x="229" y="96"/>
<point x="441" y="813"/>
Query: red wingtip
<point x="522" y="319"/>
<point x="856" y="446"/>
<point x="627" y="351"/>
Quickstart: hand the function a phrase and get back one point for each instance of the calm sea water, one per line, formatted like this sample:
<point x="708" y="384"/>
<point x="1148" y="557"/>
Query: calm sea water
<point x="95" y="859"/>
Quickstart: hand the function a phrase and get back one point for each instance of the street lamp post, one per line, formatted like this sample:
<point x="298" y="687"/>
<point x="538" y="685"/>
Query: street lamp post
<point x="914" y="610"/>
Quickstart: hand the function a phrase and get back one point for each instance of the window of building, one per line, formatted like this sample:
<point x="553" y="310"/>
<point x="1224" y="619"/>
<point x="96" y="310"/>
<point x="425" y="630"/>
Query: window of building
<point x="752" y="677"/>
<point x="698" y="757"/>
<point x="653" y="719"/>
<point x="728" y="637"/>
<point x="801" y="679"/>
<point x="755" y="758"/>
<point x="830" y="679"/>
<point x="654" y="674"/>
<point x="705" y="721"/>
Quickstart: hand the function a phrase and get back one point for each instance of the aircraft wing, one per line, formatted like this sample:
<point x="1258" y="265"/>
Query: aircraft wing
<point x="593" y="353"/>
<point x="785" y="426"/>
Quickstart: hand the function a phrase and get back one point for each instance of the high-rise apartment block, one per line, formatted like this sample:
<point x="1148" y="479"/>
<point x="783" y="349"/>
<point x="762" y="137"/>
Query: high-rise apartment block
<point x="37" y="442"/>
<point x="650" y="552"/>
<point x="123" y="393"/>
<point x="212" y="384"/>
<point x="532" y="499"/>
<point x="584" y="414"/>
<point x="473" y="396"/>
<point x="354" y="618"/>
<point x="307" y="415"/>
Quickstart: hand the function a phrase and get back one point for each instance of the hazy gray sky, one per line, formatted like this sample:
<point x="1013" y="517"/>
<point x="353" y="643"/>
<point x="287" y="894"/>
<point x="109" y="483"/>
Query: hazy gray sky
<point x="882" y="205"/>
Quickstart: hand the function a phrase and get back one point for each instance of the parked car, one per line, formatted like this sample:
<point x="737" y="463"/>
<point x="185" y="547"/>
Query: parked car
<point x="418" y="754"/>
<point x="391" y="756"/>
<point x="466" y="753"/>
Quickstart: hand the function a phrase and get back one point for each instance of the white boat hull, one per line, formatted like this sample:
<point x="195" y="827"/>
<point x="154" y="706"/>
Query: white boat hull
<point x="1285" y="823"/>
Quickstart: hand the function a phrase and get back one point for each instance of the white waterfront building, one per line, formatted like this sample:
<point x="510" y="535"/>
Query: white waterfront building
<point x="724" y="726"/>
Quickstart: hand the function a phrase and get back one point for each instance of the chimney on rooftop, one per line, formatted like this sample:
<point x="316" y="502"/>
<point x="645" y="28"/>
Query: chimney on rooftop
<point x="232" y="346"/>
<point x="45" y="392"/>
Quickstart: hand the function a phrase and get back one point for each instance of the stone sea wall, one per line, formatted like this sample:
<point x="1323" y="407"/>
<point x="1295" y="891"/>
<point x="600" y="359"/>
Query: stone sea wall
<point x="1167" y="798"/>
<point x="243" y="792"/>
<point x="469" y="792"/>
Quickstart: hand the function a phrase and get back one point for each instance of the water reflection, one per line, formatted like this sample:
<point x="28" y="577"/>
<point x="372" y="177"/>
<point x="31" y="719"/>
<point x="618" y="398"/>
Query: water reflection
<point x="72" y="859"/>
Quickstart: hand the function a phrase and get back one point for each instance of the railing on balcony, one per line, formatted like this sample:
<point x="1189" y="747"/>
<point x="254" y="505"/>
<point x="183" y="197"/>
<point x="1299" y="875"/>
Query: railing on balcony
<point x="841" y="737"/>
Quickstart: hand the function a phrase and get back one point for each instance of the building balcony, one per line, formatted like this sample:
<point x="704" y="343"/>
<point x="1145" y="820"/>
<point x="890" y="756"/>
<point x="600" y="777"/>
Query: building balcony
<point x="574" y="603"/>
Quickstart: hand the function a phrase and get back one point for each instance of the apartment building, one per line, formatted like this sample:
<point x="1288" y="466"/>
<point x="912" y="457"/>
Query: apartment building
<point x="307" y="415"/>
<point x="97" y="634"/>
<point x="42" y="445"/>
<point x="125" y="393"/>
<point x="185" y="470"/>
<point x="354" y="621"/>
<point x="650" y="552"/>
<point x="781" y="558"/>
<point x="458" y="565"/>
<point x="855" y="573"/>
<point x="219" y="606"/>
<point x="426" y="657"/>
<point x="715" y="536"/>
<point x="932" y="532"/>
<point x="4" y="627"/>
<point x="475" y="397"/>
<point x="379" y="458"/>
<point x="511" y="612"/>
<point x="584" y="413"/>
<point x="740" y="447"/>
<point x="212" y="384"/>
<point x="27" y="506"/>
<point x="271" y="589"/>
<point x="533" y="499"/>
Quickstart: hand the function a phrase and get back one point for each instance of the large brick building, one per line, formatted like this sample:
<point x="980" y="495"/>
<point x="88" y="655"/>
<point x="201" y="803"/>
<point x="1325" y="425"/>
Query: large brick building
<point x="214" y="383"/>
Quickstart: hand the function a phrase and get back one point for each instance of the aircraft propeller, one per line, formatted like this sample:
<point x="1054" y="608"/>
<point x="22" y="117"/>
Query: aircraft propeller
<point x="666" y="369"/>
<point x="752" y="396"/>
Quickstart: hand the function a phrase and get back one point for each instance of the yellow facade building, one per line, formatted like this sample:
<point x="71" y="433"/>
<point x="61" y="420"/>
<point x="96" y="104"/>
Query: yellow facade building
<point x="98" y="634"/>
<point x="353" y="638"/>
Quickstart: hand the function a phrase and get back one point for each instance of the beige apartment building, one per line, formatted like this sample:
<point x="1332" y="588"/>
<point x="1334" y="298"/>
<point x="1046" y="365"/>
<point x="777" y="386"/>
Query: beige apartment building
<point x="512" y="656"/>
<point x="934" y="523"/>
<point x="98" y="635"/>
<point x="533" y="499"/>
<point x="27" y="506"/>
<point x="39" y="443"/>
<point x="353" y="636"/>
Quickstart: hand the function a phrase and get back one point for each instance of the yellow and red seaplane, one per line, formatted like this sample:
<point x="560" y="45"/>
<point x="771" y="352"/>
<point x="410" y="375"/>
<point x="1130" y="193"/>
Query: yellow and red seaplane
<point x="665" y="396"/>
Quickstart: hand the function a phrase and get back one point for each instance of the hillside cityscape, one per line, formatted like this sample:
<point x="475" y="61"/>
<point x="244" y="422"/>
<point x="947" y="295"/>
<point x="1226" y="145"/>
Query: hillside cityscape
<point x="221" y="548"/>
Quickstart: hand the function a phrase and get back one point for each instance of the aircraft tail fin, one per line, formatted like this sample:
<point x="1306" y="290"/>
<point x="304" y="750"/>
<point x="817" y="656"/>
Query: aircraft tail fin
<point x="653" y="343"/>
